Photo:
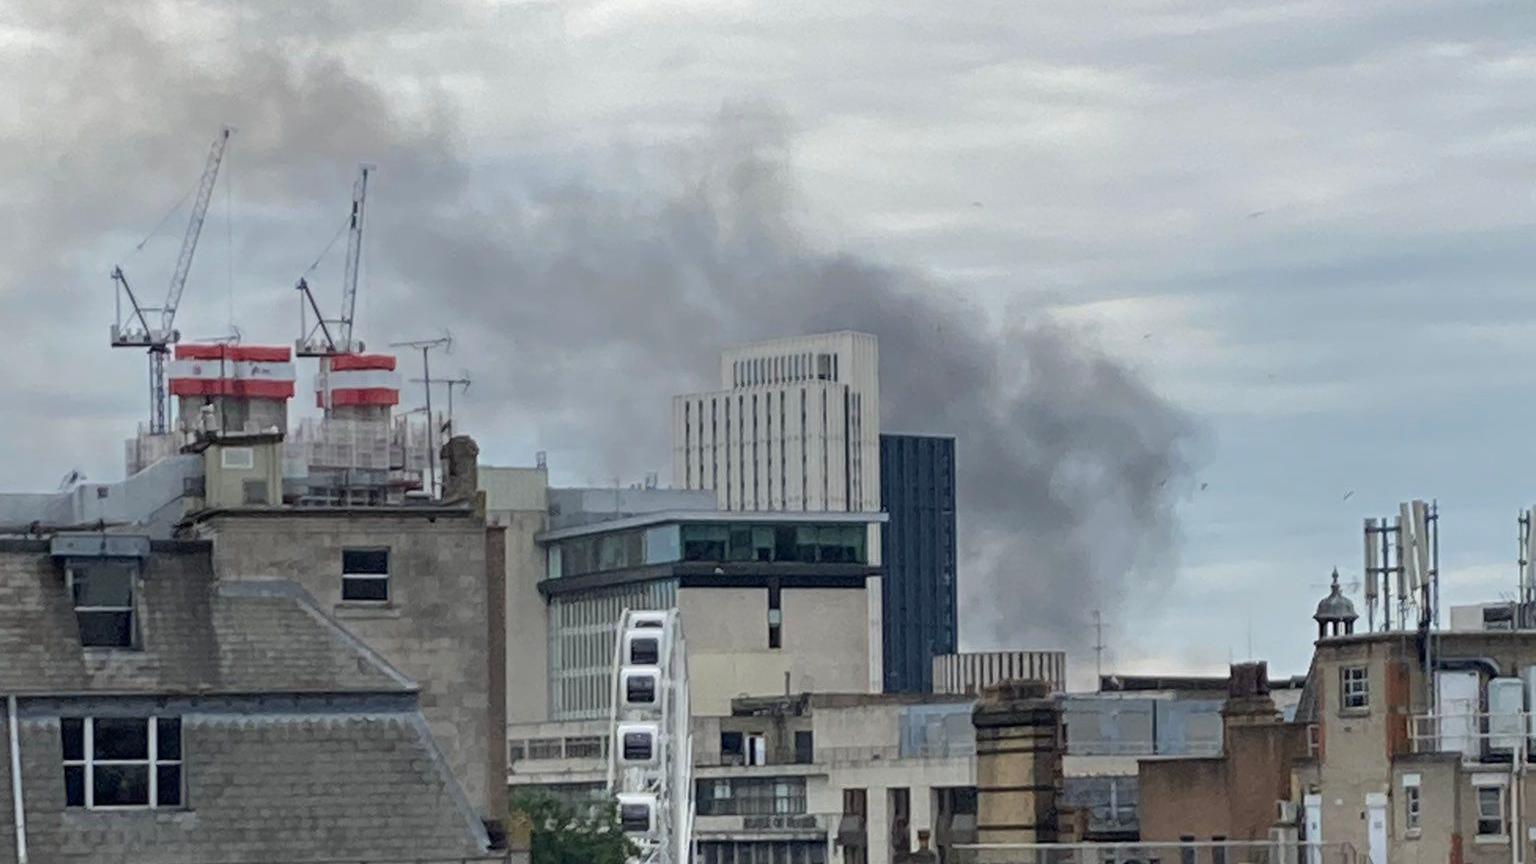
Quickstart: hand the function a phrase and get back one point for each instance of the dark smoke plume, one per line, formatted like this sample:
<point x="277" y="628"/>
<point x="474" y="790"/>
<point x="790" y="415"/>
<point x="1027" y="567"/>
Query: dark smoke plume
<point x="583" y="296"/>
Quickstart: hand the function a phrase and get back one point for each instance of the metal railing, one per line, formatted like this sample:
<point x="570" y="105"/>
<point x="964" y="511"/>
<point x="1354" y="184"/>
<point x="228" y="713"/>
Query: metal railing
<point x="895" y="753"/>
<point x="1192" y="852"/>
<point x="1476" y="735"/>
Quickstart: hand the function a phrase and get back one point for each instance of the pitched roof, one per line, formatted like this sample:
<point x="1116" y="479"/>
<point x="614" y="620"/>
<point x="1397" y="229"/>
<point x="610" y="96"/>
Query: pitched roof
<point x="271" y="787"/>
<point x="200" y="635"/>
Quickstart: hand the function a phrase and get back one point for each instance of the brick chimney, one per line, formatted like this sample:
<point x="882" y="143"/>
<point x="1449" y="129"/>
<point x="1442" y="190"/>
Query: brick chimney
<point x="1248" y="700"/>
<point x="461" y="468"/>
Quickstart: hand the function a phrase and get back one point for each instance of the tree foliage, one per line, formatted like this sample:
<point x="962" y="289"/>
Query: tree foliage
<point x="561" y="834"/>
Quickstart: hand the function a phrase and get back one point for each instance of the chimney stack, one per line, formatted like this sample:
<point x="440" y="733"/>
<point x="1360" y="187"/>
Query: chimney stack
<point x="461" y="472"/>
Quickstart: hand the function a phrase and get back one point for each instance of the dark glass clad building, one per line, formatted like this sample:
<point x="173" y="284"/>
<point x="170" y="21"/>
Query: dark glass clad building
<point x="917" y="490"/>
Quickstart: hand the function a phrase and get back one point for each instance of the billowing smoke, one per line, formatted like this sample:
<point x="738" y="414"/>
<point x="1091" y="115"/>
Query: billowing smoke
<point x="584" y="292"/>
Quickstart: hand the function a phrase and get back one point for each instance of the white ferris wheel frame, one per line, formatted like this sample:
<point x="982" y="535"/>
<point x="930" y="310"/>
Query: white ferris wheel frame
<point x="670" y="781"/>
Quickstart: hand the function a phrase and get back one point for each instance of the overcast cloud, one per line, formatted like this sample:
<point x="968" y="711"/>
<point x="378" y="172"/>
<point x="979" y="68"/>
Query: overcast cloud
<point x="1306" y="230"/>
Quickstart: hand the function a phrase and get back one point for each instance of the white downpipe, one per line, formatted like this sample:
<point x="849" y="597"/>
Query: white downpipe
<point x="20" y="814"/>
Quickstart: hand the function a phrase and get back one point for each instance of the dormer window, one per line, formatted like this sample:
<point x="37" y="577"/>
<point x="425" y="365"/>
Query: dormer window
<point x="103" y="598"/>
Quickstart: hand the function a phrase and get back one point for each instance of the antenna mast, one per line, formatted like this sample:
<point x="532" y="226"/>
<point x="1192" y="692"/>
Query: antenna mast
<point x="444" y="342"/>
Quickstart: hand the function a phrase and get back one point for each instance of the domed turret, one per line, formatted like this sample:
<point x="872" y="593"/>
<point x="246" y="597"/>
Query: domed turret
<point x="1335" y="615"/>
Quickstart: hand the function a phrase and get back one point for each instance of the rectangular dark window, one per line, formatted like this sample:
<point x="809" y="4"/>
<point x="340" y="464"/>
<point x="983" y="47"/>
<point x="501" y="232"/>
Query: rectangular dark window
<point x="775" y="618"/>
<point x="1491" y="811"/>
<point x="365" y="575"/>
<point x="103" y="599"/>
<point x="751" y="796"/>
<point x="122" y="761"/>
<point x="804" y="750"/>
<point x="255" y="491"/>
<point x="731" y="752"/>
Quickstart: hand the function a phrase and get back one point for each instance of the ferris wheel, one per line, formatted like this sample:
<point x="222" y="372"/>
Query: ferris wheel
<point x="650" y="754"/>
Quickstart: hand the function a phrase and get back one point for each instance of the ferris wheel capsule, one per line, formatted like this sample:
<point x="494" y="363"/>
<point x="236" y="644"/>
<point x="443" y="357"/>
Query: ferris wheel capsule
<point x="650" y="753"/>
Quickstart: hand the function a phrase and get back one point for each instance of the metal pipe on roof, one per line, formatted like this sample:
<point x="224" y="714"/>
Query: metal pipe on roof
<point x="20" y="814"/>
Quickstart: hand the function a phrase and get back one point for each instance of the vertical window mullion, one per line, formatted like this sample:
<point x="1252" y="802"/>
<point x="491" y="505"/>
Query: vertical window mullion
<point x="153" y="724"/>
<point x="90" y="760"/>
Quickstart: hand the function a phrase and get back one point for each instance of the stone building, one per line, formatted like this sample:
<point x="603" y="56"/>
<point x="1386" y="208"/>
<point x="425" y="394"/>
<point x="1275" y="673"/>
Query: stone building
<point x="157" y="712"/>
<point x="421" y="585"/>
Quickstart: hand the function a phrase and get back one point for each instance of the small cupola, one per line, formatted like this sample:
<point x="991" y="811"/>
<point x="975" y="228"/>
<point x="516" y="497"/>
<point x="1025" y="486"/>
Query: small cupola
<point x="1335" y="614"/>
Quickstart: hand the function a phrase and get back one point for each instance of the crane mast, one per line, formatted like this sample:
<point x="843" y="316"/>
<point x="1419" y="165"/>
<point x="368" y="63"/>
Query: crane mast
<point x="135" y="331"/>
<point x="331" y="336"/>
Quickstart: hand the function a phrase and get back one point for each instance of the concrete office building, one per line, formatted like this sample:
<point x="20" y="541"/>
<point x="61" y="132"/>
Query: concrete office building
<point x="769" y="602"/>
<point x="795" y="425"/>
<point x="922" y="619"/>
<point x="165" y="712"/>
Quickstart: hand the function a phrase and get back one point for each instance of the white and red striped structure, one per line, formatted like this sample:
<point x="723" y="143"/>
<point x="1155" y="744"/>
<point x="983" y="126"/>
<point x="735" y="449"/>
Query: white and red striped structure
<point x="355" y="380"/>
<point x="243" y="371"/>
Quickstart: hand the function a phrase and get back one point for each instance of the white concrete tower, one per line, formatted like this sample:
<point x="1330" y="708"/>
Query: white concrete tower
<point x="795" y="426"/>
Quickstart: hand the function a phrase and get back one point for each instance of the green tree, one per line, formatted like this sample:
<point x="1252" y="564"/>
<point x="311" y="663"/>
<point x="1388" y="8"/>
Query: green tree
<point x="563" y="835"/>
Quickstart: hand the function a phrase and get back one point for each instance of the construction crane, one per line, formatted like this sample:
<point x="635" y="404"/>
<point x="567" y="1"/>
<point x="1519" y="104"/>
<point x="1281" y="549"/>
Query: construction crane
<point x="150" y="327"/>
<point x="321" y="340"/>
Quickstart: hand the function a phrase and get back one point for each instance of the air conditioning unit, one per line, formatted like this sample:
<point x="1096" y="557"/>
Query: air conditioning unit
<point x="1287" y="813"/>
<point x="637" y="813"/>
<point x="638" y="743"/>
<point x="640" y="687"/>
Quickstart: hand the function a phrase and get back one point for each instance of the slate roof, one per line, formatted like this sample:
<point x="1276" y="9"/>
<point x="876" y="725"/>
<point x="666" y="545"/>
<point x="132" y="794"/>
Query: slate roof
<point x="200" y="636"/>
<point x="276" y="789"/>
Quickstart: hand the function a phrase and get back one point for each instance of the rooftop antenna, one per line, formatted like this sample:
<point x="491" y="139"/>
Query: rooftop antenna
<point x="1098" y="647"/>
<point x="445" y="342"/>
<point x="461" y="382"/>
<point x="1403" y="551"/>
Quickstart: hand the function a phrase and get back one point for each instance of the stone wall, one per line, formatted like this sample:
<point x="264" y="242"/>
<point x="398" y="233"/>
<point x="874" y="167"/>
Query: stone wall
<point x="437" y="628"/>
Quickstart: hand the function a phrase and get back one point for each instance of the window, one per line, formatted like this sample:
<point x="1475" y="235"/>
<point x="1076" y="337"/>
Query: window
<point x="1186" y="853"/>
<point x="775" y="618"/>
<point x="516" y="752"/>
<point x="121" y="761"/>
<point x="1354" y="688"/>
<point x="751" y="796"/>
<point x="1218" y="851"/>
<point x="732" y="750"/>
<point x="255" y="491"/>
<point x="804" y="747"/>
<point x="1490" y="811"/>
<point x="103" y="598"/>
<point x="544" y="748"/>
<point x="365" y="575"/>
<point x="1411" y="808"/>
<point x="239" y="458"/>
<point x="583" y="748"/>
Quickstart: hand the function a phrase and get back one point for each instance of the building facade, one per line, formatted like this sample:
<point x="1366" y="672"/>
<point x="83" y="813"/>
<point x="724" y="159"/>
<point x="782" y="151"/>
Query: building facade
<point x="917" y="492"/>
<point x="795" y="425"/>
<point x="155" y="712"/>
<point x="770" y="602"/>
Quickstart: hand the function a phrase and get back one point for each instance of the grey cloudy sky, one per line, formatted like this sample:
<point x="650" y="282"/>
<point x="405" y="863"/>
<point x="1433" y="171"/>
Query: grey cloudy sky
<point x="1309" y="227"/>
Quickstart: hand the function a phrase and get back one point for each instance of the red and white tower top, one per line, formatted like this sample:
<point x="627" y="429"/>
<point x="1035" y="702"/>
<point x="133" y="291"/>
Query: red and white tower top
<point x="242" y="371"/>
<point x="355" y="380"/>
